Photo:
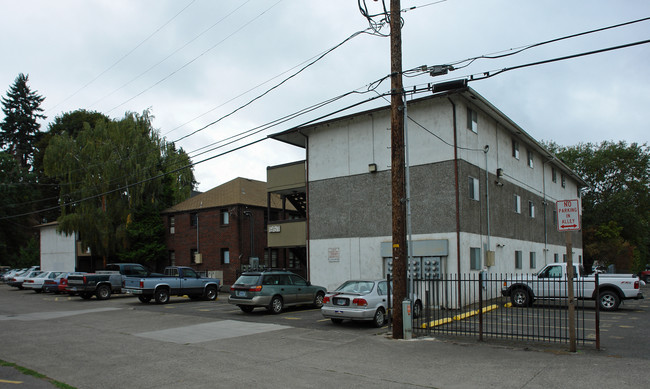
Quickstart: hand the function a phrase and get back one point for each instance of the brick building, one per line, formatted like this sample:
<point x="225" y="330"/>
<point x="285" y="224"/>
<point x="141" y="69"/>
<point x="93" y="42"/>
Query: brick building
<point x="223" y="230"/>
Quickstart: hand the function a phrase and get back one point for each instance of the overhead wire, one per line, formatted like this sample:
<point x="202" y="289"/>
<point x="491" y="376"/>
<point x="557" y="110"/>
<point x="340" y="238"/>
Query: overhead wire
<point x="171" y="54"/>
<point x="195" y="58"/>
<point x="123" y="57"/>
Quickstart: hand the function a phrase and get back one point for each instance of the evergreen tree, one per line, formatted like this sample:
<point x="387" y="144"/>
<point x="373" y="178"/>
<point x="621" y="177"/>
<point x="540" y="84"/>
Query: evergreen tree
<point x="19" y="131"/>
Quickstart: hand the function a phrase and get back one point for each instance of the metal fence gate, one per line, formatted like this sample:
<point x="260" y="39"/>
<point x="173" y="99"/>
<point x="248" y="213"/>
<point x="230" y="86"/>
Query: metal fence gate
<point x="474" y="305"/>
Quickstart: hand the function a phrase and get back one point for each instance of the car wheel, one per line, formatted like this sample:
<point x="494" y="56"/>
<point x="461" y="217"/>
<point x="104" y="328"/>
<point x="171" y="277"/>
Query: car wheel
<point x="86" y="295"/>
<point x="336" y="321"/>
<point x="520" y="297"/>
<point x="103" y="292"/>
<point x="144" y="299"/>
<point x="417" y="309"/>
<point x="162" y="296"/>
<point x="609" y="301"/>
<point x="211" y="293"/>
<point x="246" y="308"/>
<point x="276" y="305"/>
<point x="380" y="318"/>
<point x="318" y="300"/>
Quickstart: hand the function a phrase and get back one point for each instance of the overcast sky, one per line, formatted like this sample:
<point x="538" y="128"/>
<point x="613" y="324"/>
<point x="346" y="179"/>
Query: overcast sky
<point x="193" y="62"/>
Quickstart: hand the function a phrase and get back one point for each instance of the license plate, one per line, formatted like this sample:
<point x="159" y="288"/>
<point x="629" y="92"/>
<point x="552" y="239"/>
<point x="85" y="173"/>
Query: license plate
<point x="241" y="293"/>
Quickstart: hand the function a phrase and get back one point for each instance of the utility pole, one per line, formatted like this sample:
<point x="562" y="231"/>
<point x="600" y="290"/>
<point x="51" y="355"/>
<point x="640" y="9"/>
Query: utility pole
<point x="400" y="252"/>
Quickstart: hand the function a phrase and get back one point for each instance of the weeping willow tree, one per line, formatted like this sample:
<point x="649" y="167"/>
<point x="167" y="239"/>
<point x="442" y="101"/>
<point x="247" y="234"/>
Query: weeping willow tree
<point x="115" y="176"/>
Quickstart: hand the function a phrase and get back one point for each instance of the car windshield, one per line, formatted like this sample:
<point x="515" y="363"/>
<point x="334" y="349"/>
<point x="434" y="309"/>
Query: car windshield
<point x="248" y="280"/>
<point x="361" y="287"/>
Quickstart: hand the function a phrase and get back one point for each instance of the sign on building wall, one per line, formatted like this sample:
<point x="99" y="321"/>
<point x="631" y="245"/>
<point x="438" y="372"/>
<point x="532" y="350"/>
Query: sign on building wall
<point x="334" y="254"/>
<point x="568" y="215"/>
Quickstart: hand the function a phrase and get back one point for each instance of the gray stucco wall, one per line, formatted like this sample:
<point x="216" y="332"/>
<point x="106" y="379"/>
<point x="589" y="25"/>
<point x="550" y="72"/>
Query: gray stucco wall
<point x="360" y="206"/>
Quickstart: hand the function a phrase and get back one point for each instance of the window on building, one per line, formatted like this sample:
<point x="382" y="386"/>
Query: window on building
<point x="515" y="149"/>
<point x="553" y="174"/>
<point x="518" y="259"/>
<point x="529" y="156"/>
<point x="225" y="217"/>
<point x="473" y="188"/>
<point x="531" y="209"/>
<point x="294" y="263"/>
<point x="225" y="256"/>
<point x="472" y="120"/>
<point x="517" y="204"/>
<point x="475" y="258"/>
<point x="556" y="258"/>
<point x="172" y="258"/>
<point x="563" y="181"/>
<point x="192" y="255"/>
<point x="554" y="218"/>
<point x="533" y="260"/>
<point x="564" y="258"/>
<point x="274" y="258"/>
<point x="172" y="224"/>
<point x="194" y="219"/>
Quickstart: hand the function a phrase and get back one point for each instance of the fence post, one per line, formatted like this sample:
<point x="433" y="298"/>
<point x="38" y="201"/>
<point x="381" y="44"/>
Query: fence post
<point x="597" y="313"/>
<point x="480" y="306"/>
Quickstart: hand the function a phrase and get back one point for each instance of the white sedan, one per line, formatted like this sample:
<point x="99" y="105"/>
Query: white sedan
<point x="36" y="283"/>
<point x="360" y="300"/>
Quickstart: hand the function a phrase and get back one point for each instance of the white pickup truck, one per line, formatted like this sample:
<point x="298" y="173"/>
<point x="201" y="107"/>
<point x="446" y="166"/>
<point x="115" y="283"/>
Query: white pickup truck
<point x="551" y="283"/>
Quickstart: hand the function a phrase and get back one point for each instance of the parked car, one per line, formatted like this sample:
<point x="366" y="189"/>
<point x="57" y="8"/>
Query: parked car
<point x="274" y="290"/>
<point x="177" y="280"/>
<point x="358" y="300"/>
<point x="7" y="276"/>
<point x="36" y="283"/>
<point x="58" y="284"/>
<point x="17" y="280"/>
<point x="103" y="283"/>
<point x="551" y="283"/>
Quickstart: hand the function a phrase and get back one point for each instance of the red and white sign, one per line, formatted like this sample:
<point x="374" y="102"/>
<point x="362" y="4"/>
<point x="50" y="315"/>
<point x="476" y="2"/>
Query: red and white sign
<point x="568" y="215"/>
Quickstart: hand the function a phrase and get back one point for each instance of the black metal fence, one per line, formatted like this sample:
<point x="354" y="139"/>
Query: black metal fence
<point x="475" y="305"/>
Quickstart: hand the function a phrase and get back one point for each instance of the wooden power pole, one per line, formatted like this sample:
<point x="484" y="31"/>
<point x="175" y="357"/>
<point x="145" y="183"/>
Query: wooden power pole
<point x="400" y="253"/>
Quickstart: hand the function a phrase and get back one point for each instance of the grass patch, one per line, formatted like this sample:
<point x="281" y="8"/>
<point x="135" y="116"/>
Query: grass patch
<point x="35" y="374"/>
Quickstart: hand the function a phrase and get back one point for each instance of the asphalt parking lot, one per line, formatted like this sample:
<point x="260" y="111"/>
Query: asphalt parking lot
<point x="122" y="342"/>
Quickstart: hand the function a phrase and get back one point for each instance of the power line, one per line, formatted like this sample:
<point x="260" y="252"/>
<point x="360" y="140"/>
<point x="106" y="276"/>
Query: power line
<point x="195" y="58"/>
<point x="123" y="57"/>
<point x="171" y="54"/>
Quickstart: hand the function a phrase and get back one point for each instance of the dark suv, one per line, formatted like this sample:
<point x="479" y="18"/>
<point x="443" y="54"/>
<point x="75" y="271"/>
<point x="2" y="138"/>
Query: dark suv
<point x="274" y="290"/>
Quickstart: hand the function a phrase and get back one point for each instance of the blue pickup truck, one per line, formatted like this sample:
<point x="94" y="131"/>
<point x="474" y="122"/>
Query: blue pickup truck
<point x="176" y="281"/>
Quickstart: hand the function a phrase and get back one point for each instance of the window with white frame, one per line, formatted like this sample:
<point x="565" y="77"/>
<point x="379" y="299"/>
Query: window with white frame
<point x="531" y="209"/>
<point x="556" y="257"/>
<point x="515" y="149"/>
<point x="533" y="260"/>
<point x="473" y="188"/>
<point x="474" y="258"/>
<point x="563" y="178"/>
<point x="225" y="217"/>
<point x="518" y="259"/>
<point x="517" y="204"/>
<point x="472" y="120"/>
<point x="529" y="156"/>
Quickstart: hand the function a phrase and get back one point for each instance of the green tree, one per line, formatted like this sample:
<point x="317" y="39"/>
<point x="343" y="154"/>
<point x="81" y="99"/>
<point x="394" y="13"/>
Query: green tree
<point x="19" y="131"/>
<point x="15" y="195"/>
<point x="108" y="173"/>
<point x="70" y="123"/>
<point x="618" y="178"/>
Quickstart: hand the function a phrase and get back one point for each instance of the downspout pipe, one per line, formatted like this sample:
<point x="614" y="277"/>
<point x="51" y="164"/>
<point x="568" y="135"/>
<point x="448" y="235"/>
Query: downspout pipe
<point x="457" y="190"/>
<point x="307" y="261"/>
